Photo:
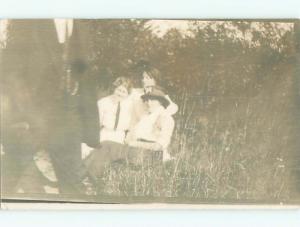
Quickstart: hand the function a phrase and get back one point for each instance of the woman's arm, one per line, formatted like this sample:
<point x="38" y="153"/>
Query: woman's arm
<point x="167" y="125"/>
<point x="172" y="108"/>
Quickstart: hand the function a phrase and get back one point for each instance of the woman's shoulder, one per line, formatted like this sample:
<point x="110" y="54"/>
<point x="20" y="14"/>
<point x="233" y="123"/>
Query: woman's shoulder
<point x="137" y="91"/>
<point x="166" y="117"/>
<point x="104" y="100"/>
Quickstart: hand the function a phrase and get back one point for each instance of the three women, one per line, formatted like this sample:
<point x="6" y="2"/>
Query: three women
<point x="136" y="126"/>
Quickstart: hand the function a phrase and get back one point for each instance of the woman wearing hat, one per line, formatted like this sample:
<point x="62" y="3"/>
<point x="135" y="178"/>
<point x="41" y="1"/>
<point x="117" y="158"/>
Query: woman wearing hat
<point x="150" y="137"/>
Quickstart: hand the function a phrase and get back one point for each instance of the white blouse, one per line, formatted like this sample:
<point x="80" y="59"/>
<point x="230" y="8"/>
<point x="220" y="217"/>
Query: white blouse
<point x="157" y="127"/>
<point x="107" y="116"/>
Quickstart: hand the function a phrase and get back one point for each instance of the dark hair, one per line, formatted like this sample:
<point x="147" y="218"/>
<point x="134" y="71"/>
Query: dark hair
<point x="165" y="103"/>
<point x="145" y="66"/>
<point x="154" y="73"/>
<point x="122" y="81"/>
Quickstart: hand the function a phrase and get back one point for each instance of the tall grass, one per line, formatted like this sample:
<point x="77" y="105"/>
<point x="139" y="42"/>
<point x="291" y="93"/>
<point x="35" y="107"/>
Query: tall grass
<point x="225" y="149"/>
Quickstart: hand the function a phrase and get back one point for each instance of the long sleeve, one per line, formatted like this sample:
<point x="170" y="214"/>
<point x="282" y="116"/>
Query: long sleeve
<point x="172" y="108"/>
<point x="167" y="127"/>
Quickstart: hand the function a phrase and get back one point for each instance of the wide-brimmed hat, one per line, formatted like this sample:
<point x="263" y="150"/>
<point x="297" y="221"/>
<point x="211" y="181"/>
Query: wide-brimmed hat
<point x="157" y="94"/>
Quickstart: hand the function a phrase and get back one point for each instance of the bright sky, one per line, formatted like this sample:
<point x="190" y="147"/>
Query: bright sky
<point x="161" y="27"/>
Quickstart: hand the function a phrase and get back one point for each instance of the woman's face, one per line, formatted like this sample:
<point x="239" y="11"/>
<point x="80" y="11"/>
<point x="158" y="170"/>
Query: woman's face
<point x="121" y="92"/>
<point x="147" y="80"/>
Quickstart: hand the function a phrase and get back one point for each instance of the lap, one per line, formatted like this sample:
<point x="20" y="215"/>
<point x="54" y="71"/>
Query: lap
<point x="108" y="150"/>
<point x="107" y="153"/>
<point x="144" y="157"/>
<point x="111" y="152"/>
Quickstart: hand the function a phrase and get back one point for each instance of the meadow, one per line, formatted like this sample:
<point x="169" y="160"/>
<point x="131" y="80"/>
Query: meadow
<point x="236" y="129"/>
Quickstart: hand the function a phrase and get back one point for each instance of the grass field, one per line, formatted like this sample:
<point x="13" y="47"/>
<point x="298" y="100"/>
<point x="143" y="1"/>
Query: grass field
<point x="226" y="148"/>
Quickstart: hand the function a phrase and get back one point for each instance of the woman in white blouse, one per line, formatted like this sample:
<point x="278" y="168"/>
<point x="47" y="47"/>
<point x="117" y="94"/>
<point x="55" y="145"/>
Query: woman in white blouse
<point x="115" y="112"/>
<point x="114" y="116"/>
<point x="151" y="136"/>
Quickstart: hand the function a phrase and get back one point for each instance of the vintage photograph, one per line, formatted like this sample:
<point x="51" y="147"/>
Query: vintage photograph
<point x="150" y="111"/>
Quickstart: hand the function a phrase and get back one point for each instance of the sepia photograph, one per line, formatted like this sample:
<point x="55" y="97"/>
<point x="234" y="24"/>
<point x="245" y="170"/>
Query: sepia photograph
<point x="140" y="111"/>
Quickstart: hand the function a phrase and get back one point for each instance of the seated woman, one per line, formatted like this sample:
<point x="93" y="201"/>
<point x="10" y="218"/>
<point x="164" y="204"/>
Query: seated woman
<point x="115" y="112"/>
<point x="114" y="115"/>
<point x="149" y="139"/>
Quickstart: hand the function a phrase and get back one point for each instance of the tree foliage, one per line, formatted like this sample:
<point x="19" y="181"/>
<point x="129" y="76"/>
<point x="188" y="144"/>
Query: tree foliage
<point x="233" y="82"/>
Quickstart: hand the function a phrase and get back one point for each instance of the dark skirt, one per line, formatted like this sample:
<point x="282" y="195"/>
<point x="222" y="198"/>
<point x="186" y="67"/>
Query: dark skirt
<point x="111" y="152"/>
<point x="107" y="153"/>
